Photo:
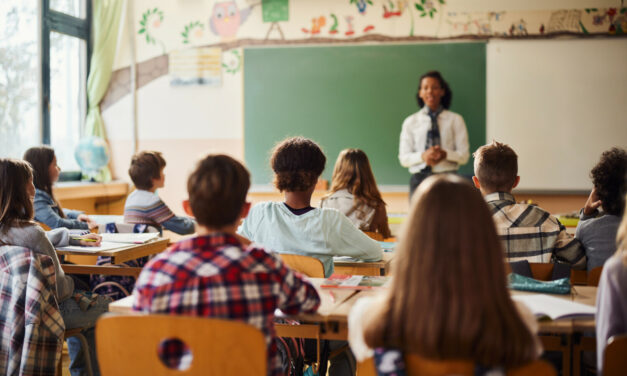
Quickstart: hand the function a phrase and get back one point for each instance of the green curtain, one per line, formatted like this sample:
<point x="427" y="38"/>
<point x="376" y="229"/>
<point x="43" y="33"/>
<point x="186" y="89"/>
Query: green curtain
<point x="105" y="26"/>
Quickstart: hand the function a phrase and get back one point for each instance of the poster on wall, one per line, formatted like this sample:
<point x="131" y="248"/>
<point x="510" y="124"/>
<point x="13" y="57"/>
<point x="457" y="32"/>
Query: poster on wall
<point x="196" y="66"/>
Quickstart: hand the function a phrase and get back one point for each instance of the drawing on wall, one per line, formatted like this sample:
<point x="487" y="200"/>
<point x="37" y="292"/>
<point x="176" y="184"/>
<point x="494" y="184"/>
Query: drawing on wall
<point x="361" y="5"/>
<point x="192" y="31"/>
<point x="150" y="21"/>
<point x="472" y="25"/>
<point x="232" y="61"/>
<point x="394" y="10"/>
<point x="226" y="19"/>
<point x="427" y="7"/>
<point x="275" y="11"/>
<point x="196" y="66"/>
<point x="335" y="25"/>
<point x="316" y="26"/>
<point x="349" y="22"/>
<point x="617" y="19"/>
<point x="518" y="28"/>
<point x="565" y="20"/>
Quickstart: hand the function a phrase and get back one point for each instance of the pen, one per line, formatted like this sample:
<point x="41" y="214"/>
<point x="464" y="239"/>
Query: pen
<point x="86" y="239"/>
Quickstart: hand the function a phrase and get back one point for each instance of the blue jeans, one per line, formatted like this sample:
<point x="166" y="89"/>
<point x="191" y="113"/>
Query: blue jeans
<point x="74" y="317"/>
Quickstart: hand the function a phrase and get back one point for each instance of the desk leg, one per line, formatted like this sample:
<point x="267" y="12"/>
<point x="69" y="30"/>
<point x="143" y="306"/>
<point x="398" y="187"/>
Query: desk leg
<point x="563" y="344"/>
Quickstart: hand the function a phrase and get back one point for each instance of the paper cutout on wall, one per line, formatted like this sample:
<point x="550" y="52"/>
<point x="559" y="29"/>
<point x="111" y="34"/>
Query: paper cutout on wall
<point x="226" y="19"/>
<point x="192" y="31"/>
<point x="275" y="11"/>
<point x="361" y="5"/>
<point x="196" y="66"/>
<point x="232" y="62"/>
<point x="151" y="20"/>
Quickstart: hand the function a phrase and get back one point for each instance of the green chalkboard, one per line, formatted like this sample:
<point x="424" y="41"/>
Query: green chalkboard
<point x="353" y="96"/>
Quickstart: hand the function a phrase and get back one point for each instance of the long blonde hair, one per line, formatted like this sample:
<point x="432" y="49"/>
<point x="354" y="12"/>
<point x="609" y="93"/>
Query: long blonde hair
<point x="448" y="298"/>
<point x="352" y="172"/>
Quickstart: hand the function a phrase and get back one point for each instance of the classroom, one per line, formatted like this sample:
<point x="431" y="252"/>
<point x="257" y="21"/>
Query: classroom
<point x="227" y="186"/>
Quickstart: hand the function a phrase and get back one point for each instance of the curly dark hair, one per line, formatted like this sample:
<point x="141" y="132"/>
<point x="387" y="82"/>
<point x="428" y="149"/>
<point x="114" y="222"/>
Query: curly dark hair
<point x="609" y="179"/>
<point x="448" y="94"/>
<point x="297" y="163"/>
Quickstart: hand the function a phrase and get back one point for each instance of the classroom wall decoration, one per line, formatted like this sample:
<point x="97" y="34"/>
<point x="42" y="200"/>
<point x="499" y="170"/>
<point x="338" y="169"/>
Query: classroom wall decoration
<point x="197" y="66"/>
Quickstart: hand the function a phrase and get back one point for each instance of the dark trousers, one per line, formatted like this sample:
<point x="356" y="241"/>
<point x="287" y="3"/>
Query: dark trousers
<point x="416" y="179"/>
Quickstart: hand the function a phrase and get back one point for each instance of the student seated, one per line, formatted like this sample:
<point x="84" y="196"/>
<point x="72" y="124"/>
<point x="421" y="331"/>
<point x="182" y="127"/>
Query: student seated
<point x="143" y="205"/>
<point x="354" y="193"/>
<point x="597" y="230"/>
<point x="448" y="299"/>
<point x="79" y="309"/>
<point x="294" y="226"/>
<point x="47" y="208"/>
<point x="611" y="315"/>
<point x="526" y="231"/>
<point x="214" y="274"/>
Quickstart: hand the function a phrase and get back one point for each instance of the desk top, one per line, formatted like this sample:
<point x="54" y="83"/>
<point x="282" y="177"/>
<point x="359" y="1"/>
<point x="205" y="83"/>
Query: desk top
<point x="128" y="252"/>
<point x="384" y="262"/>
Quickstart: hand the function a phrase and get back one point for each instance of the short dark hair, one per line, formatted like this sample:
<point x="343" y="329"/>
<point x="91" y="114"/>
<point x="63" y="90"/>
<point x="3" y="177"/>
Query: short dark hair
<point x="496" y="167"/>
<point x="145" y="166"/>
<point x="448" y="94"/>
<point x="608" y="177"/>
<point x="217" y="190"/>
<point x="297" y="163"/>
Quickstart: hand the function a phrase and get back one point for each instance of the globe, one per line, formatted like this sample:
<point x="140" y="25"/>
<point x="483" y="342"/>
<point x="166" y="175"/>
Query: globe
<point x="92" y="155"/>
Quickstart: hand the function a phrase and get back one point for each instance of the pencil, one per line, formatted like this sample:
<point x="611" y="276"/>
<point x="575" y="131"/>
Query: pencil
<point x="86" y="239"/>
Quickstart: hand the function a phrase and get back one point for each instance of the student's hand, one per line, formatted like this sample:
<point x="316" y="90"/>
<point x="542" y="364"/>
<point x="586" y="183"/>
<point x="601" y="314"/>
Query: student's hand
<point x="592" y="204"/>
<point x="90" y="240"/>
<point x="90" y="222"/>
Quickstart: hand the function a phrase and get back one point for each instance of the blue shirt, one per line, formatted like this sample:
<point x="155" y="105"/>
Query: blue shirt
<point x="49" y="213"/>
<point x="320" y="233"/>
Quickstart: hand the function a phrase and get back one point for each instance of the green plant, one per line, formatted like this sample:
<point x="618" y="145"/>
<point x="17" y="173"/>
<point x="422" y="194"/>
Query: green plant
<point x="145" y="28"/>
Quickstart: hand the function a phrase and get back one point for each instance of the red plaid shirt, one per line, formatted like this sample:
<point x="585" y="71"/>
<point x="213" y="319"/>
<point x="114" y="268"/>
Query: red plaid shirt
<point x="213" y="276"/>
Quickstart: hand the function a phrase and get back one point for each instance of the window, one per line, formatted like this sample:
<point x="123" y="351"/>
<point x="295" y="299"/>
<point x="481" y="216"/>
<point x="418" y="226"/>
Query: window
<point x="66" y="47"/>
<point x="43" y="91"/>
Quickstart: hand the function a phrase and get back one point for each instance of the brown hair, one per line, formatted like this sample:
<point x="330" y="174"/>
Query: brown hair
<point x="217" y="190"/>
<point x="621" y="237"/>
<point x="610" y="180"/>
<point x="297" y="163"/>
<point x="448" y="297"/>
<point x="353" y="172"/>
<point x="146" y="166"/>
<point x="15" y="204"/>
<point x="496" y="167"/>
<point x="40" y="159"/>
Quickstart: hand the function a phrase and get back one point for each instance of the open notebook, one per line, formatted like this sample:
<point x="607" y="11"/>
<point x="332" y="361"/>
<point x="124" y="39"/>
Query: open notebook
<point x="545" y="306"/>
<point x="355" y="282"/>
<point x="130" y="238"/>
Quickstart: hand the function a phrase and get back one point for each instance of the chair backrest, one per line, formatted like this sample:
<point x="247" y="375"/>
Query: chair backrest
<point x="417" y="365"/>
<point x="614" y="359"/>
<point x="128" y="345"/>
<point x="307" y="265"/>
<point x="594" y="275"/>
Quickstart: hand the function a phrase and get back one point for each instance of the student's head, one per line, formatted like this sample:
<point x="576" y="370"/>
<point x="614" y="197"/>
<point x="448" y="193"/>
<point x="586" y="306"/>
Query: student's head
<point x="297" y="163"/>
<point x="496" y="168"/>
<point x="609" y="180"/>
<point x="352" y="172"/>
<point x="450" y="260"/>
<point x="146" y="170"/>
<point x="433" y="91"/>
<point x="16" y="192"/>
<point x="45" y="168"/>
<point x="217" y="191"/>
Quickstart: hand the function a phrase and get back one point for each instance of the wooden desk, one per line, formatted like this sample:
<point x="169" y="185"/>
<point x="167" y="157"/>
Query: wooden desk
<point x="118" y="256"/>
<point x="364" y="268"/>
<point x="92" y="198"/>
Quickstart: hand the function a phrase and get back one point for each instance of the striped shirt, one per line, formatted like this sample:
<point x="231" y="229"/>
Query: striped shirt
<point x="212" y="276"/>
<point x="146" y="207"/>
<point x="532" y="234"/>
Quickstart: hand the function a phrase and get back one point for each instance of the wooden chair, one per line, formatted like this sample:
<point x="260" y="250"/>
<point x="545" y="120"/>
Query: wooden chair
<point x="417" y="365"/>
<point x="127" y="345"/>
<point x="614" y="360"/>
<point x="374" y="235"/>
<point x="594" y="275"/>
<point x="307" y="265"/>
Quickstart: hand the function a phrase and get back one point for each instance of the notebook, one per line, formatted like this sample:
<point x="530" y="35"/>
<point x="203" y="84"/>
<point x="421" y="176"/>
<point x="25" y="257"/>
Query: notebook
<point x="355" y="282"/>
<point x="130" y="238"/>
<point x="545" y="306"/>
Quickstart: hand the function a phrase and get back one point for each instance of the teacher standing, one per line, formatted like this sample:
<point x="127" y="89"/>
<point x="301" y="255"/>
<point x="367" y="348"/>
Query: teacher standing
<point x="433" y="140"/>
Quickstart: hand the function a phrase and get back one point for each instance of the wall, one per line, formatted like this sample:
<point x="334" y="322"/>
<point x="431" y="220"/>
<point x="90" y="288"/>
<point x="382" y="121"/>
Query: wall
<point x="186" y="122"/>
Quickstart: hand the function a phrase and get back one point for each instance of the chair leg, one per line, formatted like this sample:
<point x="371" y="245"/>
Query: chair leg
<point x="86" y="350"/>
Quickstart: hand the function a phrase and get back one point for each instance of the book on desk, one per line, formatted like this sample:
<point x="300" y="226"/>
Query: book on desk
<point x="355" y="282"/>
<point x="550" y="307"/>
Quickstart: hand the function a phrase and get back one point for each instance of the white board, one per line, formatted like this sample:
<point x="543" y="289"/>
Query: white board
<point x="559" y="104"/>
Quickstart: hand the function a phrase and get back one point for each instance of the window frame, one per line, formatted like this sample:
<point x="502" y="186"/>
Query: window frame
<point x="55" y="21"/>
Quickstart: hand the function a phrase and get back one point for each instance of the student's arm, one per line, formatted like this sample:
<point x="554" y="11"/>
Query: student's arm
<point x="46" y="214"/>
<point x="407" y="153"/>
<point x="347" y="240"/>
<point x="248" y="226"/>
<point x="569" y="250"/>
<point x="180" y="225"/>
<point x="461" y="153"/>
<point x="72" y="214"/>
<point x="296" y="294"/>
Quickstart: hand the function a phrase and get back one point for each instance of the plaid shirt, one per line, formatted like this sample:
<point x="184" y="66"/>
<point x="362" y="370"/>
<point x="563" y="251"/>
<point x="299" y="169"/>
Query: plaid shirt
<point x="213" y="276"/>
<point x="31" y="325"/>
<point x="532" y="234"/>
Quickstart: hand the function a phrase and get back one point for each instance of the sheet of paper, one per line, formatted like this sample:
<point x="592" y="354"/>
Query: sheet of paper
<point x="104" y="246"/>
<point x="130" y="238"/>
